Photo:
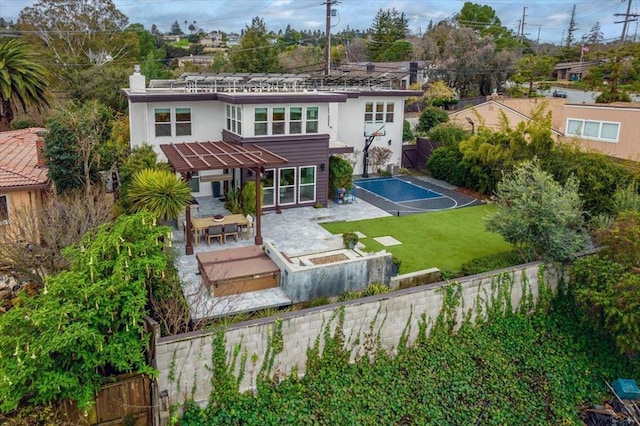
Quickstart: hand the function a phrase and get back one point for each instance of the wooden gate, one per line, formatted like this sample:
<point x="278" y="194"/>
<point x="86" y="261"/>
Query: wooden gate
<point x="414" y="156"/>
<point x="125" y="402"/>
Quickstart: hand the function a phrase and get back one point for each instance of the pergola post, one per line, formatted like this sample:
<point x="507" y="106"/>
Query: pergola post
<point x="188" y="239"/>
<point x="258" y="238"/>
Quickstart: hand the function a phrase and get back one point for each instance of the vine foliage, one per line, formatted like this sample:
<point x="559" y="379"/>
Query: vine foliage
<point x="88" y="322"/>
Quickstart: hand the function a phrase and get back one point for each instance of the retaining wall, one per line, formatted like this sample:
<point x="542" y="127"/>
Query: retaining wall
<point x="182" y="360"/>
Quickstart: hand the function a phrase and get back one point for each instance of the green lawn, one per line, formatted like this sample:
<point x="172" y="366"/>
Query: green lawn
<point x="445" y="239"/>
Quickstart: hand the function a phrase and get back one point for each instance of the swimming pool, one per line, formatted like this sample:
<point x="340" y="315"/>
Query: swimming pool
<point x="396" y="190"/>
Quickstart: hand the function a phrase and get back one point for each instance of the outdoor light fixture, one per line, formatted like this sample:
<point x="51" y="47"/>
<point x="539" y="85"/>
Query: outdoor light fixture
<point x="389" y="142"/>
<point x="323" y="166"/>
<point x="473" y="126"/>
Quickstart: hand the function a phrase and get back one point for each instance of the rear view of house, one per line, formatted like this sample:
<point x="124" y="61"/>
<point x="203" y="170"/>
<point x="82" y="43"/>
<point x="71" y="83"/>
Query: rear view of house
<point x="300" y="119"/>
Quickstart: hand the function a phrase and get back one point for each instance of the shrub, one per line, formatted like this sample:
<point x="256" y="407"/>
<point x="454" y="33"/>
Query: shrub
<point x="430" y="118"/>
<point x="340" y="174"/>
<point x="248" y="198"/>
<point x="491" y="262"/>
<point x="375" y="288"/>
<point x="350" y="239"/>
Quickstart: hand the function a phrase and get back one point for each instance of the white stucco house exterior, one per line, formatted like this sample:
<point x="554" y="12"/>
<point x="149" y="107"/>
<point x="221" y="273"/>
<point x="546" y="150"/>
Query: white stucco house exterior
<point x="301" y="118"/>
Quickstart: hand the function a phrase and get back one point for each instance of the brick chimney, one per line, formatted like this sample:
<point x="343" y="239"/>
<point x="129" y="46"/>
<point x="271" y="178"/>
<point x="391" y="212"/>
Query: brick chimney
<point x="42" y="161"/>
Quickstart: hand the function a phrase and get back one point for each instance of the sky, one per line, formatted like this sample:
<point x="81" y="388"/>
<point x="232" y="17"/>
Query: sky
<point x="545" y="20"/>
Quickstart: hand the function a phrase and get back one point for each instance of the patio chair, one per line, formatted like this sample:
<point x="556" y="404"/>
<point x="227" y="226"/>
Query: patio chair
<point x="231" y="230"/>
<point x="250" y="225"/>
<point x="215" y="231"/>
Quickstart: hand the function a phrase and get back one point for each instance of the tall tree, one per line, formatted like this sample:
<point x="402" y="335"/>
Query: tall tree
<point x="532" y="68"/>
<point x="77" y="31"/>
<point x="23" y="82"/>
<point x="389" y="26"/>
<point x="595" y="35"/>
<point x="255" y="53"/>
<point x="470" y="62"/>
<point x="76" y="145"/>
<point x="571" y="31"/>
<point x="485" y="21"/>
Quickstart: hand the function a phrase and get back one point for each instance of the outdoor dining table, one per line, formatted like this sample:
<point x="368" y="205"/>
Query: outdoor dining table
<point x="202" y="223"/>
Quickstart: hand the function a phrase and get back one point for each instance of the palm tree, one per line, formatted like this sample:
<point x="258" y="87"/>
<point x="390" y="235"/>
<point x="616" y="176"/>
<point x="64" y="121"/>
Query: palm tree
<point x="160" y="192"/>
<point x="22" y="81"/>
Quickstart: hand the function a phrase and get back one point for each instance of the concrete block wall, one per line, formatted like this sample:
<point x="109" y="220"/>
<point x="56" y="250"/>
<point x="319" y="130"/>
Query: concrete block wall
<point x="186" y="357"/>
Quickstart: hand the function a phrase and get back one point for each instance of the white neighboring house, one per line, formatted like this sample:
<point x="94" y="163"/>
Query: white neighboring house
<point x="302" y="118"/>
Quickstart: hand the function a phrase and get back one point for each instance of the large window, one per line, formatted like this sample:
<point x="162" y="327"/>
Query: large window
<point x="234" y="119"/>
<point x="268" y="184"/>
<point x="166" y="119"/>
<point x="163" y="122"/>
<point x="183" y="121"/>
<point x="295" y="120"/>
<point x="4" y="209"/>
<point x="307" y="184"/>
<point x="261" y="121"/>
<point x="590" y="129"/>
<point x="287" y="186"/>
<point x="278" y="121"/>
<point x="312" y="120"/>
<point x="285" y="120"/>
<point x="379" y="112"/>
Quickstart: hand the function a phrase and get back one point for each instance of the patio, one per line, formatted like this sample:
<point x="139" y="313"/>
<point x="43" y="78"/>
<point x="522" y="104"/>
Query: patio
<point x="294" y="232"/>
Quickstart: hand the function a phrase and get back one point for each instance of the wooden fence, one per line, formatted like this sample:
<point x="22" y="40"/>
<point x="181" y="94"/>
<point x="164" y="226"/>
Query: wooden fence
<point x="414" y="156"/>
<point x="125" y="402"/>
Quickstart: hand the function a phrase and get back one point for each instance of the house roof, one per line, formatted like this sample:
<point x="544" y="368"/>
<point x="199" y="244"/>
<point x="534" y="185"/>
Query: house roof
<point x="195" y="156"/>
<point x="523" y="107"/>
<point x="19" y="160"/>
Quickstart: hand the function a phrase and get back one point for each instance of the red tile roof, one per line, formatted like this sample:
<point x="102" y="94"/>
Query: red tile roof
<point x="19" y="159"/>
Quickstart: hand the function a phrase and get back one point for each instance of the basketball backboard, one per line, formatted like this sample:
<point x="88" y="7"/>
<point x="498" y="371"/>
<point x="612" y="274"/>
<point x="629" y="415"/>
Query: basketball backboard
<point x="371" y="129"/>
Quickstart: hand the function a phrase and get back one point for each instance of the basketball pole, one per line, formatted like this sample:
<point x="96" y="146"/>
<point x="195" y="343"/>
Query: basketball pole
<point x="368" y="140"/>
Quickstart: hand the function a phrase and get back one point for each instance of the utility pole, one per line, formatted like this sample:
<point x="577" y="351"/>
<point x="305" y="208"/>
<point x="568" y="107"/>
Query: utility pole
<point x="327" y="36"/>
<point x="626" y="21"/>
<point x="524" y="10"/>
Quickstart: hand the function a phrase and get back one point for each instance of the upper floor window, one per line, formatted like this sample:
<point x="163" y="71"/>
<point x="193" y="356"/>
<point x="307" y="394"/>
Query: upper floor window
<point x="170" y="122"/>
<point x="183" y="121"/>
<point x="285" y="120"/>
<point x="234" y="119"/>
<point x="591" y="129"/>
<point x="163" y="122"/>
<point x="295" y="120"/>
<point x="312" y="119"/>
<point x="261" y="121"/>
<point x="379" y="112"/>
<point x="4" y="209"/>
<point x="278" y="121"/>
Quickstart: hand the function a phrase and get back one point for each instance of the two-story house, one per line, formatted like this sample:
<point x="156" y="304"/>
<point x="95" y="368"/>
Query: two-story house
<point x="302" y="119"/>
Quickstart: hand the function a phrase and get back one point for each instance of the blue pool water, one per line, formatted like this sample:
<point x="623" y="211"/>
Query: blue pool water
<point x="396" y="190"/>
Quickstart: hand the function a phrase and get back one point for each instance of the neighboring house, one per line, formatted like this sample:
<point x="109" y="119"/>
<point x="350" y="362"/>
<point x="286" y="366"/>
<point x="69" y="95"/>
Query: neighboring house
<point x="23" y="174"/>
<point x="489" y="113"/>
<point x="233" y="39"/>
<point x="571" y="71"/>
<point x="611" y="129"/>
<point x="301" y="118"/>
<point x="399" y="74"/>
<point x="199" y="60"/>
<point x="213" y="39"/>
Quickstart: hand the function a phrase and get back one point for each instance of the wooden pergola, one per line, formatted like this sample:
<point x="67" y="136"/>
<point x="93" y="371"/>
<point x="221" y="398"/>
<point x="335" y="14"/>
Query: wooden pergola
<point x="188" y="157"/>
